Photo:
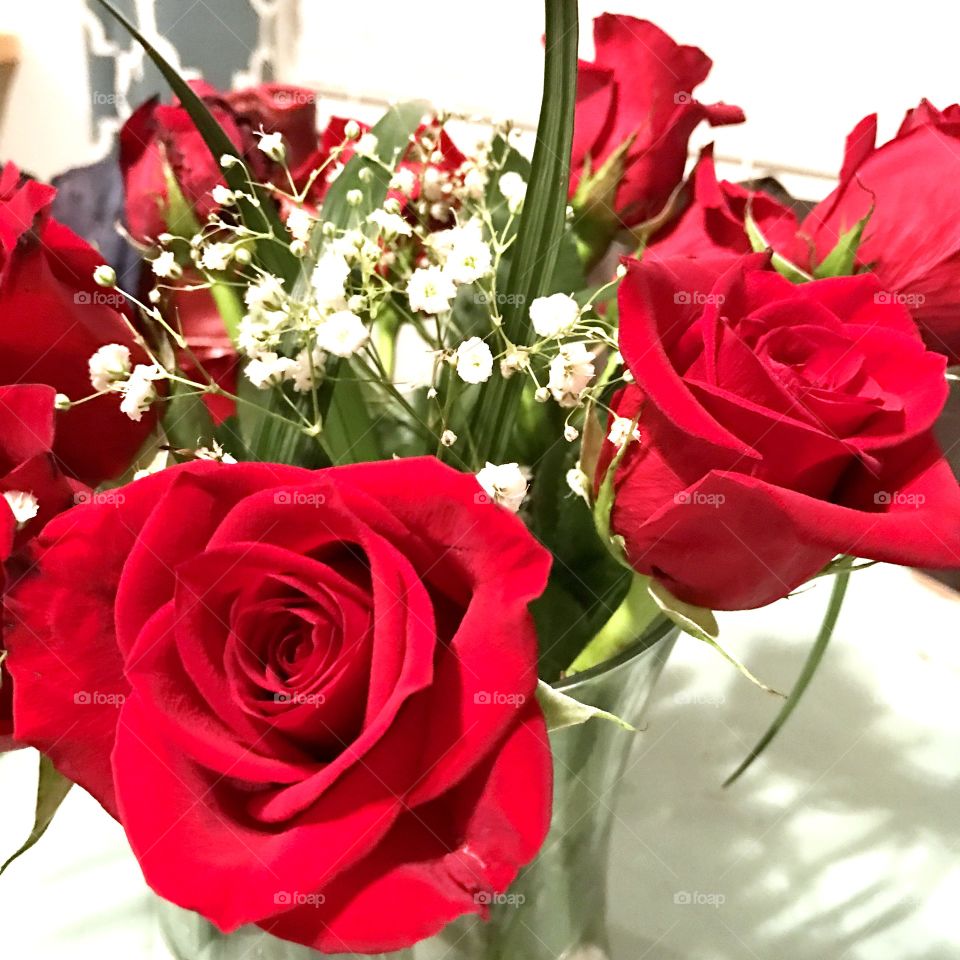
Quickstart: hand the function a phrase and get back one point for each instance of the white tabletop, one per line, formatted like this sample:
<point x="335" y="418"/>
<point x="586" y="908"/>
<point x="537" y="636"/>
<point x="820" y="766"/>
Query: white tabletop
<point x="840" y="844"/>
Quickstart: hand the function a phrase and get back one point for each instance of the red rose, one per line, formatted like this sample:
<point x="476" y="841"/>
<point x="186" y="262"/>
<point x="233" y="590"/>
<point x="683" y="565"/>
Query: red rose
<point x="912" y="240"/>
<point x="308" y="696"/>
<point x="53" y="317"/>
<point x="157" y="134"/>
<point x="29" y="480"/>
<point x="712" y="222"/>
<point x="780" y="425"/>
<point x="640" y="85"/>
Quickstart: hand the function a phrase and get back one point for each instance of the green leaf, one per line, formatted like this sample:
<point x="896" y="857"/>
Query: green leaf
<point x="781" y="264"/>
<point x="603" y="507"/>
<point x="52" y="787"/>
<point x="697" y="621"/>
<point x="701" y="624"/>
<point x="349" y="433"/>
<point x="274" y="257"/>
<point x="562" y="711"/>
<point x="841" y="261"/>
<point x="806" y="674"/>
<point x="542" y="220"/>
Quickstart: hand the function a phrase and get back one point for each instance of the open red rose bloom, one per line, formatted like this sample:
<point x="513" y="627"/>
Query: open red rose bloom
<point x="781" y="425"/>
<point x="308" y="696"/>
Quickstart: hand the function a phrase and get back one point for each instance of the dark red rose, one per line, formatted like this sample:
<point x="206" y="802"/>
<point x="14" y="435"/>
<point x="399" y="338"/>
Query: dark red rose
<point x="307" y="696"/>
<point x="29" y="479"/>
<point x="640" y="85"/>
<point x="781" y="425"/>
<point x="158" y="134"/>
<point x="712" y="222"/>
<point x="912" y="240"/>
<point x="53" y="317"/>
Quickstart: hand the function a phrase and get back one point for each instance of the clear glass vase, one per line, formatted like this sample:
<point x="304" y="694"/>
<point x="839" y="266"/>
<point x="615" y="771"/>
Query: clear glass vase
<point x="557" y="907"/>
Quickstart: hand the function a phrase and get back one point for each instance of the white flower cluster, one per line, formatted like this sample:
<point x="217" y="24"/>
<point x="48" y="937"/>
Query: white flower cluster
<point x="111" y="371"/>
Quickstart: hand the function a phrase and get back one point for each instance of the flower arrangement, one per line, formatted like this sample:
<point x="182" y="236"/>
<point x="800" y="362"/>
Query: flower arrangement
<point x="305" y="525"/>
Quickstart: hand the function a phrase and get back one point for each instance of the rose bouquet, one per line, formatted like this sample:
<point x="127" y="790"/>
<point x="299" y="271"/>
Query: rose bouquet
<point x="385" y="466"/>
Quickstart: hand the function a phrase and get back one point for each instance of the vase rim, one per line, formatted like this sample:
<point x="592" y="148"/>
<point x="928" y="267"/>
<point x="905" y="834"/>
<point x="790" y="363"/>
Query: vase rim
<point x="647" y="641"/>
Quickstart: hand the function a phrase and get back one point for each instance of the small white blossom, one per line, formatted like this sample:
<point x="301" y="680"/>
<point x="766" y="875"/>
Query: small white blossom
<point x="228" y="160"/>
<point x="474" y="361"/>
<point x="621" y="271"/>
<point x="433" y="184"/>
<point x="329" y="280"/>
<point x="367" y="145"/>
<point x="504" y="483"/>
<point x="105" y="276"/>
<point x="354" y="197"/>
<point x="390" y="224"/>
<point x="23" y="505"/>
<point x="448" y="438"/>
<point x="541" y="395"/>
<point x="61" y="402"/>
<point x="570" y="373"/>
<point x="622" y="430"/>
<point x="300" y="223"/>
<point x="269" y="368"/>
<point x="272" y="145"/>
<point x="466" y="256"/>
<point x="474" y="183"/>
<point x="342" y="334"/>
<point x="216" y="257"/>
<point x="139" y="391"/>
<point x="308" y="370"/>
<point x="514" y="189"/>
<point x="266" y="293"/>
<point x="554" y="316"/>
<point x="214" y="453"/>
<point x="223" y="196"/>
<point x="404" y="181"/>
<point x="351" y="130"/>
<point x="109" y="367"/>
<point x="430" y="290"/>
<point x="570" y="433"/>
<point x="516" y="358"/>
<point x="165" y="265"/>
<point x="579" y="483"/>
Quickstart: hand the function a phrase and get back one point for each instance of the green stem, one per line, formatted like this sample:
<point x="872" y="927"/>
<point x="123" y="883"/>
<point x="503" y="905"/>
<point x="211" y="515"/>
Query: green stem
<point x="806" y="675"/>
<point x="542" y="220"/>
<point x="628" y="622"/>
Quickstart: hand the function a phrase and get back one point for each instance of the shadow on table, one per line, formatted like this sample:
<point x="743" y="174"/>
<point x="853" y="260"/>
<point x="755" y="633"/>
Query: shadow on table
<point x="830" y="847"/>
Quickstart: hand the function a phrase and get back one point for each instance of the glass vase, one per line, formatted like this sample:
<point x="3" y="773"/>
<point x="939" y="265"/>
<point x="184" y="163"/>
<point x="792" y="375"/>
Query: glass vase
<point x="557" y="907"/>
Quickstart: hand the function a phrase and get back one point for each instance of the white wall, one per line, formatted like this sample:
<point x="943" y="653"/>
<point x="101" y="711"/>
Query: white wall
<point x="45" y="127"/>
<point x="804" y="73"/>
